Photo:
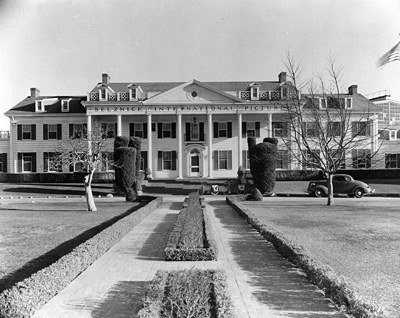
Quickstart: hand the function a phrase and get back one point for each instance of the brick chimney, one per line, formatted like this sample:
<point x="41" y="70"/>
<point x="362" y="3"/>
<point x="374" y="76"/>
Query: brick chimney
<point x="353" y="89"/>
<point x="105" y="79"/>
<point x="35" y="92"/>
<point x="282" y="77"/>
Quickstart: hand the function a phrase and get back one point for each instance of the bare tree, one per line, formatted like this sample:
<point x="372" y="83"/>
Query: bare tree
<point x="85" y="152"/>
<point x="326" y="129"/>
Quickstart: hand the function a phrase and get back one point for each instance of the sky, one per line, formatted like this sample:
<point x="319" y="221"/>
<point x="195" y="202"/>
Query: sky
<point x="62" y="47"/>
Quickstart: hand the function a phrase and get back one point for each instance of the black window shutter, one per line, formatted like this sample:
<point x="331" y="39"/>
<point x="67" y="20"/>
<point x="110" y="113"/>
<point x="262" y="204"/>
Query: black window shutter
<point x="216" y="130"/>
<point x="229" y="159"/>
<point x="131" y="129"/>
<point x="59" y="131"/>
<point x="71" y="168"/>
<point x="85" y="130"/>
<point x="33" y="154"/>
<point x="33" y="132"/>
<point x="215" y="158"/>
<point x="173" y="128"/>
<point x="257" y="129"/>
<point x="45" y="132"/>
<point x="201" y="131"/>
<point x="229" y="129"/>
<point x="144" y="130"/>
<point x="159" y="130"/>
<point x="19" y="165"/>
<point x="244" y="129"/>
<point x="19" y="132"/>
<point x="144" y="156"/>
<point x="153" y="127"/>
<point x="187" y="132"/>
<point x="71" y="130"/>
<point x="174" y="160"/>
<point x="116" y="130"/>
<point x="4" y="162"/>
<point x="159" y="165"/>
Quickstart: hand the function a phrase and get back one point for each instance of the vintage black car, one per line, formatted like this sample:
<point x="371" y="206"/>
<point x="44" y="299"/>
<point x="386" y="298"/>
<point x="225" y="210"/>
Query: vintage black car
<point x="342" y="184"/>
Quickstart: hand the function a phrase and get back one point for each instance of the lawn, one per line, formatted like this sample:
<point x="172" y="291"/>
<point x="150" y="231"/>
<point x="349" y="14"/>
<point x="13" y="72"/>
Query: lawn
<point x="358" y="239"/>
<point x="33" y="235"/>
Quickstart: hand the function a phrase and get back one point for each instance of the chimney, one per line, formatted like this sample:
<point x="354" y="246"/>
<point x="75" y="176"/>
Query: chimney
<point x="105" y="79"/>
<point x="353" y="89"/>
<point x="35" y="92"/>
<point x="282" y="77"/>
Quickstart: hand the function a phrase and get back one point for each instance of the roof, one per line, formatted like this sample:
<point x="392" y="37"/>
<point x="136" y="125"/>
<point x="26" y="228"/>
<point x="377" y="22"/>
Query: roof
<point x="27" y="105"/>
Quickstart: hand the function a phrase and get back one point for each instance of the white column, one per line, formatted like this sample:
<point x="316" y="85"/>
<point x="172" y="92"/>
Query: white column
<point x="13" y="153"/>
<point x="210" y="146"/>
<point x="119" y="125"/>
<point x="270" y="126"/>
<point x="149" y="146"/>
<point x="179" y="146"/>
<point x="239" y="119"/>
<point x="89" y="133"/>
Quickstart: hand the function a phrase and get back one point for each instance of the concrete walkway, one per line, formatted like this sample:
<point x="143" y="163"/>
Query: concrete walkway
<point x="261" y="282"/>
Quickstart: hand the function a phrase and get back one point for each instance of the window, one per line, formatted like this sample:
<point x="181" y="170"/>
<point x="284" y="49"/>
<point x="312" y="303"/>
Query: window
<point x="166" y="160"/>
<point x="3" y="162"/>
<point x="283" y="159"/>
<point x="334" y="129"/>
<point x="361" y="158"/>
<point x="103" y="94"/>
<point x="336" y="103"/>
<point x="26" y="131"/>
<point x="339" y="158"/>
<point x="222" y="130"/>
<point x="138" y="130"/>
<point x="392" y="160"/>
<point x="79" y="162"/>
<point x="310" y="129"/>
<point x="245" y="159"/>
<point x="52" y="162"/>
<point x="310" y="159"/>
<point x="166" y="130"/>
<point x="109" y="130"/>
<point x="77" y="130"/>
<point x="143" y="160"/>
<point x="26" y="163"/>
<point x="194" y="131"/>
<point x="223" y="160"/>
<point x="52" y="131"/>
<point x="254" y="93"/>
<point x="107" y="159"/>
<point x="133" y="93"/>
<point x="361" y="128"/>
<point x="393" y="135"/>
<point x="65" y="106"/>
<point x="279" y="129"/>
<point x="39" y="106"/>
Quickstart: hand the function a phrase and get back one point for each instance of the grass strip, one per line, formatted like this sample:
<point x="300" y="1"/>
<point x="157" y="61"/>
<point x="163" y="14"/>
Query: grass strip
<point x="29" y="295"/>
<point x="191" y="293"/>
<point x="322" y="276"/>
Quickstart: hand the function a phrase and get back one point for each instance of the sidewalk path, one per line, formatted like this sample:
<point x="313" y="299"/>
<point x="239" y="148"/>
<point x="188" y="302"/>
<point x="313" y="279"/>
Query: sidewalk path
<point x="261" y="282"/>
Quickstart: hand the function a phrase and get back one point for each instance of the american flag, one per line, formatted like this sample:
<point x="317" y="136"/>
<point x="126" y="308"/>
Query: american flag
<point x="391" y="56"/>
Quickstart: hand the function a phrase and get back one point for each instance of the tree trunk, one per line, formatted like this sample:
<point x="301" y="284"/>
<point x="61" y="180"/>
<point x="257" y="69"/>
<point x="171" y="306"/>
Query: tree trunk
<point x="88" y="192"/>
<point x="330" y="190"/>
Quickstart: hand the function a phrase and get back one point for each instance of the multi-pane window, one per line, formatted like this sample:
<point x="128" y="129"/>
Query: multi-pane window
<point x="109" y="130"/>
<point x="338" y="158"/>
<point x="26" y="163"/>
<point x="138" y="130"/>
<point x="39" y="105"/>
<point x="166" y="130"/>
<point x="279" y="129"/>
<point x="223" y="160"/>
<point x="361" y="158"/>
<point x="133" y="93"/>
<point x="166" y="160"/>
<point x="77" y="130"/>
<point x="103" y="93"/>
<point x="283" y="159"/>
<point x="107" y="159"/>
<point x="52" y="162"/>
<point x="52" y="131"/>
<point x="254" y="93"/>
<point x="334" y="129"/>
<point x="26" y="132"/>
<point x="65" y="106"/>
<point x="310" y="159"/>
<point x="361" y="128"/>
<point x="194" y="131"/>
<point x="310" y="129"/>
<point x="222" y="129"/>
<point x="392" y="160"/>
<point x="251" y="129"/>
<point x="3" y="162"/>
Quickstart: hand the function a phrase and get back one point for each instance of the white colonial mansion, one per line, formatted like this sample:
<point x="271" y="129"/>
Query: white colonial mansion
<point x="188" y="130"/>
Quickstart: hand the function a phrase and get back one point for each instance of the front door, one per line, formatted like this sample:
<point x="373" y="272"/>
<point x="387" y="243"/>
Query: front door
<point x="194" y="168"/>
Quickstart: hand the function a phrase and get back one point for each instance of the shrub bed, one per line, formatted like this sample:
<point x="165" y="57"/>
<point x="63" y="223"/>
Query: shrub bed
<point x="27" y="296"/>
<point x="333" y="285"/>
<point x="187" y="293"/>
<point x="191" y="238"/>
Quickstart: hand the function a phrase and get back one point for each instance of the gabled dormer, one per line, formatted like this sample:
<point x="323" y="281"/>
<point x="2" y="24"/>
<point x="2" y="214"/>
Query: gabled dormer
<point x="39" y="107"/>
<point x="135" y="92"/>
<point x="254" y="91"/>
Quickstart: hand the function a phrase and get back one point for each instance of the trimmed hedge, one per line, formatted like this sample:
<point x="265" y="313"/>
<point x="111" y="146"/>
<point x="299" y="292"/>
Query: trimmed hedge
<point x="319" y="274"/>
<point x="29" y="295"/>
<point x="191" y="238"/>
<point x="170" y="294"/>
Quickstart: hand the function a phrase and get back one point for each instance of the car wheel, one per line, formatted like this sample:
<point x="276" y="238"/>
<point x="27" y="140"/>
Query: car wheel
<point x="358" y="193"/>
<point x="319" y="193"/>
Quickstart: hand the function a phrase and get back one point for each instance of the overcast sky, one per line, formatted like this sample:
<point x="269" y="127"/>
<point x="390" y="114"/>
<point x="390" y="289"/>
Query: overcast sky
<point x="63" y="46"/>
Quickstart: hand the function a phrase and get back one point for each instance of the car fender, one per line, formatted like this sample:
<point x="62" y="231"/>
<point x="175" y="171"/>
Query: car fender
<point x="322" y="187"/>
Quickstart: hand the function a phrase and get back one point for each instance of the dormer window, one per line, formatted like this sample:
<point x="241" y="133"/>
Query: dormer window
<point x="102" y="94"/>
<point x="254" y="91"/>
<point x="39" y="106"/>
<point x="65" y="106"/>
<point x="133" y="95"/>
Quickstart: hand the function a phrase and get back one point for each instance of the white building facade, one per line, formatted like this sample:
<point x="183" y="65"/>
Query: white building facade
<point x="188" y="130"/>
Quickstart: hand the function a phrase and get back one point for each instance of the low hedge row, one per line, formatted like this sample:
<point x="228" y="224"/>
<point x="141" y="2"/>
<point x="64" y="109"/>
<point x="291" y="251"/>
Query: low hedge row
<point x="191" y="238"/>
<point x="333" y="285"/>
<point x="27" y="296"/>
<point x="71" y="177"/>
<point x="187" y="293"/>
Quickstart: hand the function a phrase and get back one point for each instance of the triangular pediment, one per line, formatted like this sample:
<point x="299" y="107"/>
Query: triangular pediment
<point x="193" y="92"/>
